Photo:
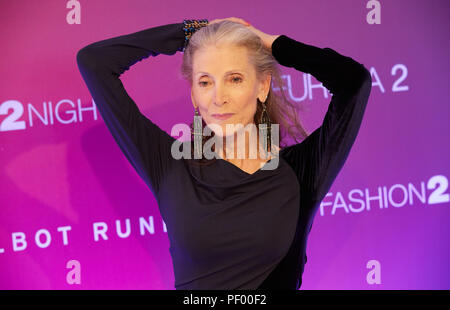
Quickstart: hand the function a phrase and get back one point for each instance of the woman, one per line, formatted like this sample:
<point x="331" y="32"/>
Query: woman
<point x="230" y="224"/>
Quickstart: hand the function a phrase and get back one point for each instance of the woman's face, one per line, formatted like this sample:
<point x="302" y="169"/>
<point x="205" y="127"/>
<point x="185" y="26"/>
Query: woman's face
<point x="224" y="81"/>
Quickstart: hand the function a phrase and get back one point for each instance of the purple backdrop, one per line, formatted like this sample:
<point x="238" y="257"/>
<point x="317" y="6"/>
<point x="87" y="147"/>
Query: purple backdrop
<point x="385" y="219"/>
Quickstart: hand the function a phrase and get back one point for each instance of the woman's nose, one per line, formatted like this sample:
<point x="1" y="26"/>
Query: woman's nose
<point x="221" y="97"/>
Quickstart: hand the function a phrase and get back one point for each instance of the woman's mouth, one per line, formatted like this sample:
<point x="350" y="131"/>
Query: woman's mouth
<point x="223" y="116"/>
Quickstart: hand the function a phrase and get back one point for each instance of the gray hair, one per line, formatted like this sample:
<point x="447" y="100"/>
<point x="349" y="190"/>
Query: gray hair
<point x="281" y="110"/>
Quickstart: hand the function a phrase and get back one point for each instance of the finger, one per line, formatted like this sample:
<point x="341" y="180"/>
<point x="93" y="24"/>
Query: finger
<point x="239" y="20"/>
<point x="233" y="19"/>
<point x="214" y="21"/>
<point x="244" y="22"/>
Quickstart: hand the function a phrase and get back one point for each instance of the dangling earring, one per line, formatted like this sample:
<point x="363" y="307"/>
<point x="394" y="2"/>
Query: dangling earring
<point x="197" y="132"/>
<point x="265" y="127"/>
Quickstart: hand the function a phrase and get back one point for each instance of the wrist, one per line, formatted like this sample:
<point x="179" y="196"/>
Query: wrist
<point x="271" y="39"/>
<point x="190" y="26"/>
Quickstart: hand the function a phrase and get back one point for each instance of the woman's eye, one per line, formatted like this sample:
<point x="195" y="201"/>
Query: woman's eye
<point x="237" y="79"/>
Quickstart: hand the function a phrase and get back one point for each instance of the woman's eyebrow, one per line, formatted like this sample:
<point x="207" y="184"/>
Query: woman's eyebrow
<point x="226" y="73"/>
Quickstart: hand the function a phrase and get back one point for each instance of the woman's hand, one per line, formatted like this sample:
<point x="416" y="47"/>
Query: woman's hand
<point x="267" y="39"/>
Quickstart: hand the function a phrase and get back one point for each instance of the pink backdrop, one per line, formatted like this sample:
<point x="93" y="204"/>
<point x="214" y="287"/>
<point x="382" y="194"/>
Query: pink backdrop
<point x="62" y="173"/>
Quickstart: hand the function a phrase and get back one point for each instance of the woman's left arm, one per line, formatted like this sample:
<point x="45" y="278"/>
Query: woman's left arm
<point x="318" y="159"/>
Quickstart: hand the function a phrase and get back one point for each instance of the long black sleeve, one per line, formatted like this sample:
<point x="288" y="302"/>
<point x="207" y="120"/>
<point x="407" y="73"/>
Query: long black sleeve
<point x="318" y="159"/>
<point x="146" y="146"/>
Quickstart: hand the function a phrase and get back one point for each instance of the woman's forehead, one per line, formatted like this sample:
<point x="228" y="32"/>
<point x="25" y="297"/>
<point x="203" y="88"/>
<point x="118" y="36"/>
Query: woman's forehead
<point x="221" y="60"/>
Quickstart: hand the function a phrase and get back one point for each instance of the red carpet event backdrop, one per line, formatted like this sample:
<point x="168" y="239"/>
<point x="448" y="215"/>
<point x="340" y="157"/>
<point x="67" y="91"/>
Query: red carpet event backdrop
<point x="75" y="215"/>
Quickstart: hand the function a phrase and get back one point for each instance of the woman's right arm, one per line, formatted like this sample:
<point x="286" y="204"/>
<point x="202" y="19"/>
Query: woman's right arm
<point x="145" y="145"/>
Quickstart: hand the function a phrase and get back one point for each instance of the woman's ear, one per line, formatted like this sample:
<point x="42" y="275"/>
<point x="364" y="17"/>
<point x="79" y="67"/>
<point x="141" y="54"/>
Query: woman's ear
<point x="192" y="99"/>
<point x="265" y="88"/>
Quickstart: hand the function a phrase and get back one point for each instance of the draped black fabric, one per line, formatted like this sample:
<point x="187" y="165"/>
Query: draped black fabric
<point x="229" y="229"/>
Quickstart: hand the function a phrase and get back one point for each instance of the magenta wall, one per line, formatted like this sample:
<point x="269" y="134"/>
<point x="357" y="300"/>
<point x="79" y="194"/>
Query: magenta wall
<point x="390" y="203"/>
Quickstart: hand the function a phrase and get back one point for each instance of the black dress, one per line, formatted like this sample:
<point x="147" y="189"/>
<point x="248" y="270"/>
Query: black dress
<point x="229" y="229"/>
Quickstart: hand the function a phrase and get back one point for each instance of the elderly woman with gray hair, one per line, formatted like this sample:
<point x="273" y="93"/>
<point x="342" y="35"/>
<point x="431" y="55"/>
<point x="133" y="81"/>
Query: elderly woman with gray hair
<point x="233" y="223"/>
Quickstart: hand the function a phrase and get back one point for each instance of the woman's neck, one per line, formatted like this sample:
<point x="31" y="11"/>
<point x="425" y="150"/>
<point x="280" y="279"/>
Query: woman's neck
<point x="242" y="148"/>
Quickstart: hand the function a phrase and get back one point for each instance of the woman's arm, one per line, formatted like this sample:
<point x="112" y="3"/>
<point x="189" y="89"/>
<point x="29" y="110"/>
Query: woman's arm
<point x="144" y="144"/>
<point x="318" y="159"/>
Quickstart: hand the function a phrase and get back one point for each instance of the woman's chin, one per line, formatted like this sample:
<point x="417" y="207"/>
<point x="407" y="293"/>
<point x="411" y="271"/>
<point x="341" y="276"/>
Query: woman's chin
<point x="225" y="129"/>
